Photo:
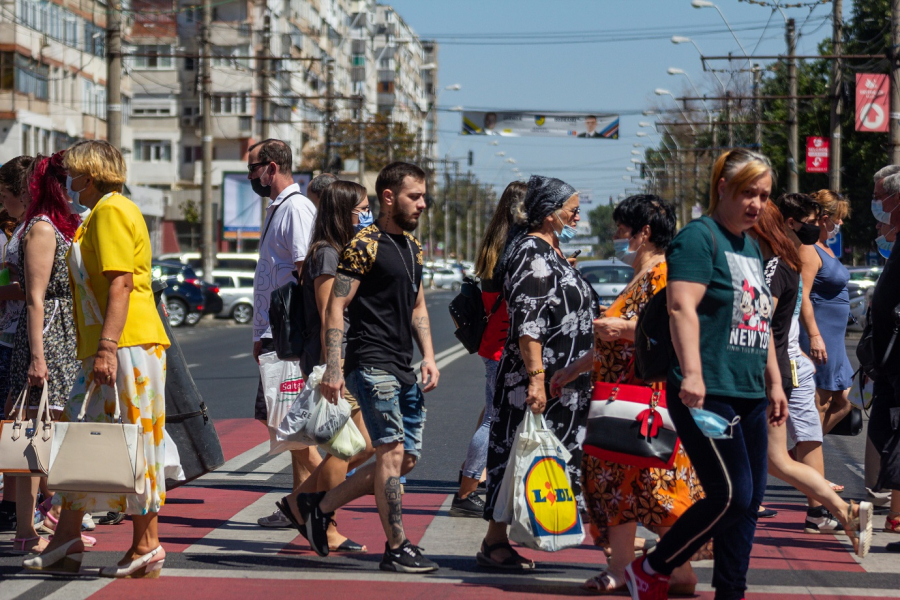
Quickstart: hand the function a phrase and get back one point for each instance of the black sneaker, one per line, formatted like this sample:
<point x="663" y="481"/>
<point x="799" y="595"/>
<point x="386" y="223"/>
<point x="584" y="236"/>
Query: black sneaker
<point x="471" y="506"/>
<point x="317" y="522"/>
<point x="406" y="559"/>
<point x="820" y="520"/>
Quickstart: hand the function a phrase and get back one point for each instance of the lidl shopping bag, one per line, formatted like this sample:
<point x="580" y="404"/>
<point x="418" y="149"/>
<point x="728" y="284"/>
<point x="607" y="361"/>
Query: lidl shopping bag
<point x="545" y="513"/>
<point x="311" y="419"/>
<point x="282" y="384"/>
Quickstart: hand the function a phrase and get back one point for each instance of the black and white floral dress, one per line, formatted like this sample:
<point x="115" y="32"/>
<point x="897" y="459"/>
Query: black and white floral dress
<point x="550" y="302"/>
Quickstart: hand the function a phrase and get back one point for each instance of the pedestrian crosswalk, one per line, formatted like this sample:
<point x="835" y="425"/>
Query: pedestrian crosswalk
<point x="215" y="547"/>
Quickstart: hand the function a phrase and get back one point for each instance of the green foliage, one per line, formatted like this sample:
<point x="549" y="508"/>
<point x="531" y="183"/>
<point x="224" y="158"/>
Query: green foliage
<point x="191" y="211"/>
<point x="603" y="226"/>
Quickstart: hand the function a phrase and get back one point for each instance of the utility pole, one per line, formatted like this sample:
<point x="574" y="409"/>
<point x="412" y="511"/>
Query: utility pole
<point x="729" y="127"/>
<point x="470" y="222"/>
<point x="757" y="107"/>
<point x="837" y="96"/>
<point x="793" y="132"/>
<point x="114" y="75"/>
<point x="895" y="82"/>
<point x="329" y="112"/>
<point x="207" y="243"/>
<point x="361" y="139"/>
<point x="265" y="107"/>
<point x="446" y="163"/>
<point x="457" y="235"/>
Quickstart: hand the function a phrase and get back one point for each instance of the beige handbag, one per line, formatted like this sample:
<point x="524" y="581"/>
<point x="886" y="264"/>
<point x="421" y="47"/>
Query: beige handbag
<point x="25" y="443"/>
<point x="97" y="457"/>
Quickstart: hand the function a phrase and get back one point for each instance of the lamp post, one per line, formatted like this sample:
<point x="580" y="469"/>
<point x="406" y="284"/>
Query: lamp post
<point x="707" y="4"/>
<point x="665" y="92"/>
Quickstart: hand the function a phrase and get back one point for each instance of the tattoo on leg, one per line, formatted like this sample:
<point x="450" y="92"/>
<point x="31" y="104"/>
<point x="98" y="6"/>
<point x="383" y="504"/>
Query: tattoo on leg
<point x="395" y="513"/>
<point x="341" y="287"/>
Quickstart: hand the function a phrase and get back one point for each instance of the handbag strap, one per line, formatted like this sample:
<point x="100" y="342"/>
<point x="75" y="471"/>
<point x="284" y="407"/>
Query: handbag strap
<point x="117" y="415"/>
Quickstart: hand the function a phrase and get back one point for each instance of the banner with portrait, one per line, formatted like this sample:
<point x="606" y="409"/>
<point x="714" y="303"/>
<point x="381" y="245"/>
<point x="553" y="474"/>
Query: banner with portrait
<point x="542" y="124"/>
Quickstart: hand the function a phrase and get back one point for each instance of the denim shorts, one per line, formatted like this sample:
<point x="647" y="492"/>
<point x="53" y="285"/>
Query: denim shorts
<point x="392" y="412"/>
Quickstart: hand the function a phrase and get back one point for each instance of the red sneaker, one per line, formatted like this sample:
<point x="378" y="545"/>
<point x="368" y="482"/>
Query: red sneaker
<point x="643" y="586"/>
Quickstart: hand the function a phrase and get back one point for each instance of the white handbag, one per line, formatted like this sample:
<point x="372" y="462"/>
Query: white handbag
<point x="97" y="457"/>
<point x="25" y="443"/>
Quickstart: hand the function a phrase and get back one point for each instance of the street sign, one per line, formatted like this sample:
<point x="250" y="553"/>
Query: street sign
<point x="836" y="244"/>
<point x="817" y="154"/>
<point x="872" y="259"/>
<point x="872" y="102"/>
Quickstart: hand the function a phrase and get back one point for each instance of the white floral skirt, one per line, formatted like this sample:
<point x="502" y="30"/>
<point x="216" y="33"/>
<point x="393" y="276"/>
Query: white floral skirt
<point x="141" y="382"/>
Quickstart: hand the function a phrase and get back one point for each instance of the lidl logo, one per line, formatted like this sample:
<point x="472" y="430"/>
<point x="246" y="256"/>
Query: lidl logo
<point x="539" y="120"/>
<point x="551" y="505"/>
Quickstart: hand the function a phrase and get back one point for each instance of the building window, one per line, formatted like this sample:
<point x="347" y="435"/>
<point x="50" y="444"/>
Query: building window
<point x="192" y="154"/>
<point x="153" y="151"/>
<point x="26" y="140"/>
<point x="231" y="104"/>
<point x="93" y="99"/>
<point x="226" y="56"/>
<point x="31" y="77"/>
<point x="7" y="70"/>
<point x="153" y="57"/>
<point x="189" y="63"/>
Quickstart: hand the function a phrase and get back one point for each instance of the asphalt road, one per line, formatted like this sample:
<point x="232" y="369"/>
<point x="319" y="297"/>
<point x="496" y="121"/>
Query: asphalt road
<point x="226" y="374"/>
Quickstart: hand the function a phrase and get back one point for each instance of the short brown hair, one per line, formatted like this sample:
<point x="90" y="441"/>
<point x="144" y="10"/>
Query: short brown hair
<point x="13" y="173"/>
<point x="276" y="151"/>
<point x="392" y="176"/>
<point x="833" y="204"/>
<point x="99" y="160"/>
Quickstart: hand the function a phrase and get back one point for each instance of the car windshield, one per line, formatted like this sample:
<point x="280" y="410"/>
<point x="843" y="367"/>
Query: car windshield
<point x="601" y="274"/>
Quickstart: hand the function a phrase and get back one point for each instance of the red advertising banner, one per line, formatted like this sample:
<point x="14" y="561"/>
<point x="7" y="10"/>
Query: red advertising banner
<point x="817" y="154"/>
<point x="872" y="102"/>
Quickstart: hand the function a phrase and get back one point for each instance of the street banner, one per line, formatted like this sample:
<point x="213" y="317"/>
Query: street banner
<point x="817" y="154"/>
<point x="872" y="108"/>
<point x="542" y="124"/>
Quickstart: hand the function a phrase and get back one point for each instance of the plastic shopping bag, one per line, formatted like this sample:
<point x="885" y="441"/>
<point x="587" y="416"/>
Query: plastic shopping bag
<point x="312" y="420"/>
<point x="545" y="513"/>
<point x="347" y="443"/>
<point x="172" y="467"/>
<point x="283" y="385"/>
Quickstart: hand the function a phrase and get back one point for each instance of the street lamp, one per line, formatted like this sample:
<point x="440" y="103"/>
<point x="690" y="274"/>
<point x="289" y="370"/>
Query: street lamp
<point x="638" y="145"/>
<point x="636" y="152"/>
<point x="645" y="124"/>
<point x="665" y="92"/>
<point x="500" y="154"/>
<point x="630" y="168"/>
<point x="708" y="4"/>
<point x="677" y="71"/>
<point x="626" y="177"/>
<point x="511" y="161"/>
<point x="636" y="161"/>
<point x="454" y="87"/>
<point x="680" y="39"/>
<point x="456" y="108"/>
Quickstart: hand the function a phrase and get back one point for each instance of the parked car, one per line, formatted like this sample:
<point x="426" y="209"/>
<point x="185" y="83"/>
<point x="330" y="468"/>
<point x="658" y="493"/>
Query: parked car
<point x="607" y="277"/>
<point x="188" y="297"/>
<point x="236" y="290"/>
<point x="445" y="278"/>
<point x="862" y="281"/>
<point x="225" y="261"/>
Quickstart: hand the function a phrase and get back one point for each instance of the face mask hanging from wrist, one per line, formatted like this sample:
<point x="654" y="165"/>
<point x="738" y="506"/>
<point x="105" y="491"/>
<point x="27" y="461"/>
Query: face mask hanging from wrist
<point x="568" y="232"/>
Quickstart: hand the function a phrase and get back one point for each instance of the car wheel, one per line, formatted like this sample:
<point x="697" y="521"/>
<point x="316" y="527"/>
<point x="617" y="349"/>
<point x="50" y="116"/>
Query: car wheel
<point x="193" y="318"/>
<point x="455" y="286"/>
<point x="242" y="313"/>
<point x="178" y="312"/>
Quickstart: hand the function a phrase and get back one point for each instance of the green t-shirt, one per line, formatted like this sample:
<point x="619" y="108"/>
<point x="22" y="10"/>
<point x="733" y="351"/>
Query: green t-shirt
<point x="735" y="311"/>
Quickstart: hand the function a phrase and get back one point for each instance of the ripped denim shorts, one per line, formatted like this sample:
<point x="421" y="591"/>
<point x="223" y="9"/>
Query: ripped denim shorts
<point x="392" y="412"/>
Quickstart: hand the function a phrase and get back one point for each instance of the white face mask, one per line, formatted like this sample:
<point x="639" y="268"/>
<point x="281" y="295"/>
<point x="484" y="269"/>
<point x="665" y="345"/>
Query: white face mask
<point x="879" y="213"/>
<point x="73" y="195"/>
<point x="833" y="233"/>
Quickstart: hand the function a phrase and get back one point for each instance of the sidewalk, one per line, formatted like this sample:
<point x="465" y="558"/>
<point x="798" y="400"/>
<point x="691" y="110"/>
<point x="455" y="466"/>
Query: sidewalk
<point x="216" y="550"/>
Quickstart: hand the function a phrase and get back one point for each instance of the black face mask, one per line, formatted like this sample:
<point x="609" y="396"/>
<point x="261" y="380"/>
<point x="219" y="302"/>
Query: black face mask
<point x="259" y="189"/>
<point x="808" y="234"/>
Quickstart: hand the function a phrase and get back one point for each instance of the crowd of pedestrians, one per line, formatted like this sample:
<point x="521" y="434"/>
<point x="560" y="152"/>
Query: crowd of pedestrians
<point x="757" y="308"/>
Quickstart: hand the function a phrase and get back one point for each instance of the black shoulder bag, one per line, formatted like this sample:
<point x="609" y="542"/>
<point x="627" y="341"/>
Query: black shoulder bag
<point x="467" y="312"/>
<point x="286" y="317"/>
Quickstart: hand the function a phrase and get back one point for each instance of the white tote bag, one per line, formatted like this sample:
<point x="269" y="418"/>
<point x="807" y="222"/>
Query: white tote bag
<point x="545" y="513"/>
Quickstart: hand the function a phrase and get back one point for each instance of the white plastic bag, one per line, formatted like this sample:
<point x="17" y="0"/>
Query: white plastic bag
<point x="545" y="514"/>
<point x="172" y="468"/>
<point x="347" y="443"/>
<point x="283" y="385"/>
<point x="312" y="420"/>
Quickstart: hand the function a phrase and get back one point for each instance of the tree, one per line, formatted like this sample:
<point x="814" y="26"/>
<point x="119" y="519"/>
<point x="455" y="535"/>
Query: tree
<point x="603" y="226"/>
<point x="385" y="141"/>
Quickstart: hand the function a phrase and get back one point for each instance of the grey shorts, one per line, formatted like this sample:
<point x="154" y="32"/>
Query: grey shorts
<point x="803" y="419"/>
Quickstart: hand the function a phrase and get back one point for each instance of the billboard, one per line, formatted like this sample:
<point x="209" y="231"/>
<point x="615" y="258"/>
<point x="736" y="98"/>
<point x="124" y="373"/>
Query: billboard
<point x="241" y="209"/>
<point x="817" y="154"/>
<point x="872" y="102"/>
<point x="542" y="124"/>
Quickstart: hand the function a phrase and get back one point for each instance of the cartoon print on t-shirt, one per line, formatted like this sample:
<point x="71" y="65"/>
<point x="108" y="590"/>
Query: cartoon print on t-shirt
<point x="752" y="309"/>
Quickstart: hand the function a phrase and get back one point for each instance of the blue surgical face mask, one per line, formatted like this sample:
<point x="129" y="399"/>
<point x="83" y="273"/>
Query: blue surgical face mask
<point x="624" y="252"/>
<point x="884" y="247"/>
<point x="713" y="425"/>
<point x="75" y="207"/>
<point x="879" y="213"/>
<point x="568" y="232"/>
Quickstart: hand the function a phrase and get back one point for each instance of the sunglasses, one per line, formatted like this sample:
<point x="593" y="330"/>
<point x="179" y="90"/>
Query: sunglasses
<point x="252" y="166"/>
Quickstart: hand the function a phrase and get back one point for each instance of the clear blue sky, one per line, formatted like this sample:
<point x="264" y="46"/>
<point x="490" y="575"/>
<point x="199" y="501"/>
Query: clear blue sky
<point x="601" y="76"/>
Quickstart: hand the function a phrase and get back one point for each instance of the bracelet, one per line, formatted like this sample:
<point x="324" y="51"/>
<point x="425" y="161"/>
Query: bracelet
<point x="535" y="372"/>
<point x="105" y="339"/>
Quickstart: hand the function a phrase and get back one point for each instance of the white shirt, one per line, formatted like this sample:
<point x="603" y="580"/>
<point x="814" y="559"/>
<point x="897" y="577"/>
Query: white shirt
<point x="286" y="235"/>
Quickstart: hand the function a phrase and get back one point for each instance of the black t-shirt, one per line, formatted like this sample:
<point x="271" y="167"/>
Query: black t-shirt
<point x="784" y="283"/>
<point x="885" y="297"/>
<point x="389" y="270"/>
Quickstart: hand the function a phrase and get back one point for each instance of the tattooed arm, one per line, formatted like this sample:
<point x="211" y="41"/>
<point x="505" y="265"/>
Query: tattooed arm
<point x="422" y="335"/>
<point x="342" y="293"/>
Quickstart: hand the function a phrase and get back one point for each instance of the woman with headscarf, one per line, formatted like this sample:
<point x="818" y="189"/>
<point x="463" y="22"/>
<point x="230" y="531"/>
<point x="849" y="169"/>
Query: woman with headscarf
<point x="551" y="310"/>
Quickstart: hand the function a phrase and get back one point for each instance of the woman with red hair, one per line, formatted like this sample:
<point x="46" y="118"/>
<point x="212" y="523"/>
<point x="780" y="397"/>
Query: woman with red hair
<point x="45" y="342"/>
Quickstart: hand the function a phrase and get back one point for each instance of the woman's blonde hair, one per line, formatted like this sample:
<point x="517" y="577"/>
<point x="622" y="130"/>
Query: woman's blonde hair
<point x="100" y="160"/>
<point x="508" y="210"/>
<point x="833" y="204"/>
<point x="738" y="167"/>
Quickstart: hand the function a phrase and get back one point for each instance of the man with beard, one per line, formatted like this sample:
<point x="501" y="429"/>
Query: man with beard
<point x="282" y="249"/>
<point x="379" y="280"/>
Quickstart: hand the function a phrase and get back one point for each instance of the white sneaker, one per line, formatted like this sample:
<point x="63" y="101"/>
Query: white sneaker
<point x="275" y="520"/>
<point x="87" y="522"/>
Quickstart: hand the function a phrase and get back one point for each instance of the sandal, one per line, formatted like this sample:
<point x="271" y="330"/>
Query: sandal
<point x="350" y="547"/>
<point x="19" y="545"/>
<point x="603" y="583"/>
<point x="892" y="523"/>
<point x="859" y="527"/>
<point x="836" y="488"/>
<point x="513" y="562"/>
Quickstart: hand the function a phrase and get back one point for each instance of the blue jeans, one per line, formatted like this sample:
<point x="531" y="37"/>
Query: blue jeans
<point x="392" y="412"/>
<point x="733" y="474"/>
<point x="476" y="456"/>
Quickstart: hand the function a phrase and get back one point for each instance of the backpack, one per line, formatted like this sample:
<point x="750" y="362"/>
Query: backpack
<point x="653" y="349"/>
<point x="287" y="321"/>
<point x="467" y="312"/>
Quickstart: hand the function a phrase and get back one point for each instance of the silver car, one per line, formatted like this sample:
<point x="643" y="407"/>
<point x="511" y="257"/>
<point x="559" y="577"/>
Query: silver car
<point x="236" y="290"/>
<point x="607" y="277"/>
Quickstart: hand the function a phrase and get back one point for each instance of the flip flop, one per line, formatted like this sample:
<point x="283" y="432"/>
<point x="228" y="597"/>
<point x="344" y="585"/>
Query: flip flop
<point x="603" y="584"/>
<point x="510" y="563"/>
<point x="836" y="488"/>
<point x="350" y="547"/>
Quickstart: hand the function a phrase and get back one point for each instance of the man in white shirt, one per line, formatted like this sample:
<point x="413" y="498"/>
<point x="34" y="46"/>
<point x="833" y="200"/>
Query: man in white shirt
<point x="282" y="249"/>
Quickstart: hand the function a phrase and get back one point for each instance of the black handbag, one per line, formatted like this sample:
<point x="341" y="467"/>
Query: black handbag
<point x="467" y="312"/>
<point x="287" y="321"/>
<point x="850" y="425"/>
<point x="652" y="340"/>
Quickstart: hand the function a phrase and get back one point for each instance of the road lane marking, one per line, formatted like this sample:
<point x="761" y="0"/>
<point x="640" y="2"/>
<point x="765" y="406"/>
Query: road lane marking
<point x="455" y="536"/>
<point x="80" y="588"/>
<point x="193" y="365"/>
<point x="448" y="351"/>
<point x="19" y="585"/>
<point x="445" y="358"/>
<point x="241" y="460"/>
<point x="271" y="467"/>
<point x="242" y="355"/>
